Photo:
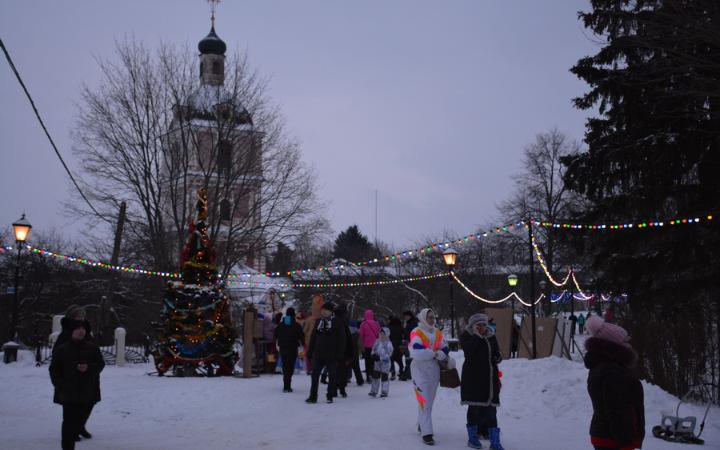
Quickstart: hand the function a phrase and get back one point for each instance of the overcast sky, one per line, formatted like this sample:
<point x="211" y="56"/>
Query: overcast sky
<point x="429" y="103"/>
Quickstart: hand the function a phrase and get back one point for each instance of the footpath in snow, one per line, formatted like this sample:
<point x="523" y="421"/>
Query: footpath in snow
<point x="544" y="407"/>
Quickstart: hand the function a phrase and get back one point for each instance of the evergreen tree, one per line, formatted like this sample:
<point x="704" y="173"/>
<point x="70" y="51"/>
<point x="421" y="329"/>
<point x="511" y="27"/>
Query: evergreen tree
<point x="654" y="152"/>
<point x="282" y="259"/>
<point x="353" y="246"/>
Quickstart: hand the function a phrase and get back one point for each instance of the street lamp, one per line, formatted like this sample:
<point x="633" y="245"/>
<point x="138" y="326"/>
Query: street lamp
<point x="450" y="257"/>
<point x="22" y="229"/>
<point x="512" y="282"/>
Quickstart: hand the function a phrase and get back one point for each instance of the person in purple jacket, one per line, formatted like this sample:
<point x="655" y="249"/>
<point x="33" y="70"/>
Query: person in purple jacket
<point x="369" y="333"/>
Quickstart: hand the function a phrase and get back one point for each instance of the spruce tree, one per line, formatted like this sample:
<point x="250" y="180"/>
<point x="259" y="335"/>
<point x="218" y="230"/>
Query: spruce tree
<point x="654" y="152"/>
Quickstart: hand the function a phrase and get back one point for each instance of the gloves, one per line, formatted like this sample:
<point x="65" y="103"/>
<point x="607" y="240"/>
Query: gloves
<point x="496" y="359"/>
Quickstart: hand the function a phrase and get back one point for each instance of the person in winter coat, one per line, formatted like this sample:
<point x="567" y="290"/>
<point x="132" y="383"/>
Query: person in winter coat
<point x="396" y="337"/>
<point x="427" y="349"/>
<point x="480" y="385"/>
<point x="327" y="346"/>
<point x="75" y="373"/>
<point x="581" y="324"/>
<point x="345" y="362"/>
<point x="618" y="420"/>
<point x="411" y="323"/>
<point x="354" y="337"/>
<point x="288" y="337"/>
<point x="382" y="353"/>
<point x="73" y="315"/>
<point x="369" y="332"/>
<point x="309" y="326"/>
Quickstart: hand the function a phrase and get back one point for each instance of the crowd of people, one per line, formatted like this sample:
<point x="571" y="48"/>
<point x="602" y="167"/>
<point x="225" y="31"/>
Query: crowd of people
<point x="334" y="344"/>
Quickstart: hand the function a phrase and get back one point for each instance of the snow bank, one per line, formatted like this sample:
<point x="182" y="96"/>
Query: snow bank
<point x="544" y="407"/>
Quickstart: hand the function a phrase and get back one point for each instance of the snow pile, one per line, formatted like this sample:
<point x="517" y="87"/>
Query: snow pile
<point x="544" y="407"/>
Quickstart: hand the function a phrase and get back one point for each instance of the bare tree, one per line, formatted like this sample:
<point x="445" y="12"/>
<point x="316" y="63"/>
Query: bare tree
<point x="153" y="133"/>
<point x="540" y="190"/>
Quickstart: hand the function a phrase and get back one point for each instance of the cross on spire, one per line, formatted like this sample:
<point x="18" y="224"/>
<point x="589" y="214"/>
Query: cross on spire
<point x="213" y="4"/>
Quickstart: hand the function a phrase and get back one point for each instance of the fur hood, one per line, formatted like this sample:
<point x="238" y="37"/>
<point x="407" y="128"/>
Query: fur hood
<point x="599" y="350"/>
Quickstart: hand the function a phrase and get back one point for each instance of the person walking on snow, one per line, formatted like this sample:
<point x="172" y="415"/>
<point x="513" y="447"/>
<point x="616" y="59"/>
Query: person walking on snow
<point x="618" y="420"/>
<point x="309" y="326"/>
<point x="345" y="362"/>
<point x="396" y="337"/>
<point x="480" y="385"/>
<point x="581" y="324"/>
<point x="75" y="374"/>
<point x="369" y="332"/>
<point x="327" y="347"/>
<point x="427" y="349"/>
<point x="382" y="353"/>
<point x="288" y="336"/>
<point x="411" y="323"/>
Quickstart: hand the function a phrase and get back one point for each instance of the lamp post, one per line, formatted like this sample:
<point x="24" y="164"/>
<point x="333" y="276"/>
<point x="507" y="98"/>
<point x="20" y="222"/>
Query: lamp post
<point x="22" y="230"/>
<point x="450" y="257"/>
<point x="512" y="282"/>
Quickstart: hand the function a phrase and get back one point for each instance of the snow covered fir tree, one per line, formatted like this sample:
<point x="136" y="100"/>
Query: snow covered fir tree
<point x="195" y="333"/>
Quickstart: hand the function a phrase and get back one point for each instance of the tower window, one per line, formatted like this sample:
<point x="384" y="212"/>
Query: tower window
<point x="225" y="209"/>
<point x="224" y="161"/>
<point x="216" y="68"/>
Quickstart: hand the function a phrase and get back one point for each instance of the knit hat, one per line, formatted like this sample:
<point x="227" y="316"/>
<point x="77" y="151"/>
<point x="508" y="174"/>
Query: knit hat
<point x="386" y="331"/>
<point x="478" y="318"/>
<point x="600" y="329"/>
<point x="330" y="306"/>
<point x="290" y="311"/>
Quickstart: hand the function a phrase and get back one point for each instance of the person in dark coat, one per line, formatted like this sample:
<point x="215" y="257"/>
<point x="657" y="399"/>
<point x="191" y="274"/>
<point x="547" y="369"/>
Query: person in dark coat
<point x="618" y="420"/>
<point x="480" y="384"/>
<point x="288" y="336"/>
<point x="354" y="327"/>
<point x="75" y="373"/>
<point x="327" y="347"/>
<point x="411" y="323"/>
<point x="345" y="362"/>
<point x="397" y="333"/>
<point x="73" y="315"/>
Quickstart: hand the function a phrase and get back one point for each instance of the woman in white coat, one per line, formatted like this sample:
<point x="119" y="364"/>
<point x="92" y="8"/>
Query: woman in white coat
<point x="427" y="348"/>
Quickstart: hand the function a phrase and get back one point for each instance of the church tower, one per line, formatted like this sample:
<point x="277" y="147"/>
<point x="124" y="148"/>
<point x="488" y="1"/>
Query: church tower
<point x="212" y="58"/>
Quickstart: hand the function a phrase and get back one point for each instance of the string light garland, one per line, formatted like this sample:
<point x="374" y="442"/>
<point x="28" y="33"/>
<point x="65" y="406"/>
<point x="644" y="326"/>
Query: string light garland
<point x="493" y="302"/>
<point x="341" y="285"/>
<point x="625" y="226"/>
<point x="543" y="264"/>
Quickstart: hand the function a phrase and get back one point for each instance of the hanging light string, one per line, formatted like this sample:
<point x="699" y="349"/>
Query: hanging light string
<point x="340" y="285"/>
<point x="624" y="226"/>
<point x="544" y="266"/>
<point x="98" y="264"/>
<point x="493" y="302"/>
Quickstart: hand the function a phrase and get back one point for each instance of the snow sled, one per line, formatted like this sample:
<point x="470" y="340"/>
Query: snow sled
<point x="681" y="429"/>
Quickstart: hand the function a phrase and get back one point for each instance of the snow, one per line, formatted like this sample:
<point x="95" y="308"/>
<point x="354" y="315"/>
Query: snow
<point x="544" y="407"/>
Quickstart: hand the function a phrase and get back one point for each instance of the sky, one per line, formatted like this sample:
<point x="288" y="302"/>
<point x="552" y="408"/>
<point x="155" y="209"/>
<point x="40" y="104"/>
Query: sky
<point x="427" y="103"/>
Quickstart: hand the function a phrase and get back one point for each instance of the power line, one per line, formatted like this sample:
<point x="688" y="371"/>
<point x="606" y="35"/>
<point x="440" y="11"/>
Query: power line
<point x="42" y="124"/>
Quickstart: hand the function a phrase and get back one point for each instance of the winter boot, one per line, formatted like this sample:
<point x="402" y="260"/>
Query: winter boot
<point x="374" y="387"/>
<point x="473" y="441"/>
<point x="385" y="388"/>
<point x="428" y="439"/>
<point x="495" y="439"/>
<point x="311" y="400"/>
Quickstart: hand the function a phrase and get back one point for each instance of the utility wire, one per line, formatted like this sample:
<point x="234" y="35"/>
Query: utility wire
<point x="42" y="124"/>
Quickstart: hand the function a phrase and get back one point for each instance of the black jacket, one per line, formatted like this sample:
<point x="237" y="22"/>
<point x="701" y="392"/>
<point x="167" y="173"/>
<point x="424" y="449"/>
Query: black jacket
<point x="327" y="340"/>
<point x="289" y="337"/>
<point x="71" y="385"/>
<point x="409" y="326"/>
<point x="480" y="385"/>
<point x="616" y="393"/>
<point x="397" y="333"/>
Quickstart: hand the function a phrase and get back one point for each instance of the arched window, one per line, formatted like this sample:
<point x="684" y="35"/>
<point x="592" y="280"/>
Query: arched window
<point x="216" y="68"/>
<point x="225" y="209"/>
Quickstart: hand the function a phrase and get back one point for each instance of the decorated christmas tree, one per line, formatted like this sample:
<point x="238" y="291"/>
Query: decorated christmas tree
<point x="195" y="332"/>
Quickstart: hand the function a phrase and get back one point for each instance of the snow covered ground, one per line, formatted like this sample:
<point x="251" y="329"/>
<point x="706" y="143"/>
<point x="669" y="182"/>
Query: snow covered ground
<point x="544" y="407"/>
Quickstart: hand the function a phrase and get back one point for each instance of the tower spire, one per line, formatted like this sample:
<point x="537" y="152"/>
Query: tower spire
<point x="213" y="5"/>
